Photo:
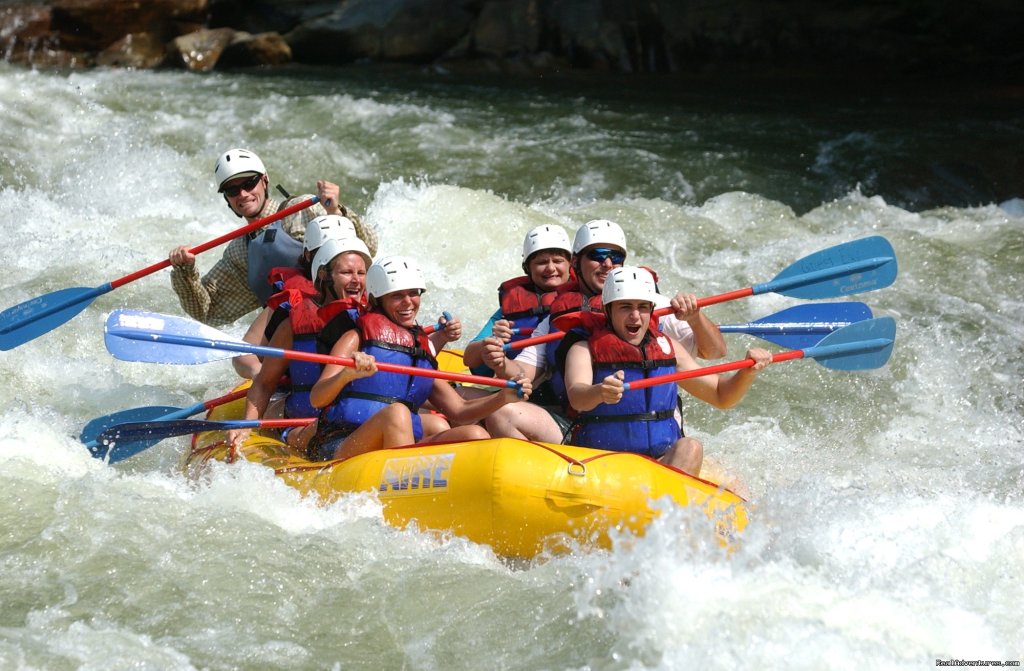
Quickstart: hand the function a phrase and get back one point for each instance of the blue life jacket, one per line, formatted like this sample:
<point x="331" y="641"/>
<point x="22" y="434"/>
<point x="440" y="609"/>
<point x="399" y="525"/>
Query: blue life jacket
<point x="388" y="343"/>
<point x="644" y="420"/>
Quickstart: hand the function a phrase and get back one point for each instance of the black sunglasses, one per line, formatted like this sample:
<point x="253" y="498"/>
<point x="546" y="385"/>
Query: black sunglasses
<point x="248" y="185"/>
<point x="599" y="255"/>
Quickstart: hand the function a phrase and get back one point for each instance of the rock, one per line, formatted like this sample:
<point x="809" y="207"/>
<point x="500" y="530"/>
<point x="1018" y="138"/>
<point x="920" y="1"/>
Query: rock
<point x="382" y="30"/>
<point x="94" y="25"/>
<point x="199" y="51"/>
<point x="25" y="32"/>
<point x="891" y="37"/>
<point x="251" y="50"/>
<point x="267" y="16"/>
<point x="507" y="28"/>
<point x="135" y="50"/>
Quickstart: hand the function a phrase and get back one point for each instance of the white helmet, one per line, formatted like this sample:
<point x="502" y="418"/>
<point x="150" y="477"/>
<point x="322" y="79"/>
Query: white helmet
<point x="327" y="227"/>
<point x="629" y="283"/>
<point x="333" y="247"/>
<point x="237" y="163"/>
<point x="394" y="273"/>
<point x="598" y="232"/>
<point x="299" y="221"/>
<point x="546" y="237"/>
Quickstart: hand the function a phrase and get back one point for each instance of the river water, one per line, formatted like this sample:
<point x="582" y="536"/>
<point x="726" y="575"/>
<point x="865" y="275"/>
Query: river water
<point x="887" y="507"/>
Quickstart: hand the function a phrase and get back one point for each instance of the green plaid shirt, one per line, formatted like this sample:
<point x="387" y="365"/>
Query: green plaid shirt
<point x="222" y="295"/>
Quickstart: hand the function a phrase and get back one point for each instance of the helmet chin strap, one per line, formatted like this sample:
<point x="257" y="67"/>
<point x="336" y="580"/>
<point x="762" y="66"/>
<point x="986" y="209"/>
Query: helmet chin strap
<point x="231" y="208"/>
<point x="586" y="285"/>
<point x="330" y="287"/>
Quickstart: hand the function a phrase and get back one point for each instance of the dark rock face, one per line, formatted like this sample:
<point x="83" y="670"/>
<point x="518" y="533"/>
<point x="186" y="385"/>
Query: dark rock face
<point x="662" y="36"/>
<point x="383" y="30"/>
<point x="93" y="25"/>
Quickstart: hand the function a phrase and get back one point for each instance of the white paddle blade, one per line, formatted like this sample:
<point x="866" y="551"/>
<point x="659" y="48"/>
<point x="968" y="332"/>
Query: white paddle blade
<point x="133" y="335"/>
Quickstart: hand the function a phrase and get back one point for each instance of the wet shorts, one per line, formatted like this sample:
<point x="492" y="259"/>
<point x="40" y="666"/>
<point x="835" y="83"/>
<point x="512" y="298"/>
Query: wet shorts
<point x="564" y="423"/>
<point x="327" y="441"/>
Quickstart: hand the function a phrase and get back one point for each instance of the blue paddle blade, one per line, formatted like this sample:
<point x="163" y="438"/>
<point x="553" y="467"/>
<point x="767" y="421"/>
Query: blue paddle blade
<point x="92" y="430"/>
<point x="119" y="451"/>
<point x="42" y="314"/>
<point x="127" y="440"/>
<point x="850" y="268"/>
<point x="132" y="335"/>
<point x="136" y="432"/>
<point x="860" y="346"/>
<point x="803" y="326"/>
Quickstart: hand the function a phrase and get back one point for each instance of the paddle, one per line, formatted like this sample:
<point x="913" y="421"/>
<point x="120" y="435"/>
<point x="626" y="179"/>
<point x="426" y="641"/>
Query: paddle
<point x="860" y="346"/>
<point x="154" y="413"/>
<point x="849" y="268"/>
<point x="42" y="314"/>
<point x="802" y="325"/>
<point x="793" y="328"/>
<point x="131" y="335"/>
<point x="132" y="434"/>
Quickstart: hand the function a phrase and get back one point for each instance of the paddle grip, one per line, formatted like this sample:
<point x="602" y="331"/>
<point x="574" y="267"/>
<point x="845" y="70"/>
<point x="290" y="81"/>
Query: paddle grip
<point x="438" y="326"/>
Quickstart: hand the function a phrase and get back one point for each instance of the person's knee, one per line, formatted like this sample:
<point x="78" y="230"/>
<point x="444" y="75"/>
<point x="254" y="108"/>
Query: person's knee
<point x="692" y="448"/>
<point x="508" y="421"/>
<point x="474" y="432"/>
<point x="396" y="413"/>
<point x="433" y="423"/>
<point x="686" y="454"/>
<point x="500" y="422"/>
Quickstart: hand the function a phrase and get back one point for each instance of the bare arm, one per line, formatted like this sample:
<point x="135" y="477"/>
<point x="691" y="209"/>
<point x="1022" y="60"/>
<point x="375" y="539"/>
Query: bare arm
<point x="473" y="355"/>
<point x="451" y="331"/>
<point x="248" y="365"/>
<point x="334" y="377"/>
<point x="719" y="390"/>
<point x="509" y="369"/>
<point x="707" y="337"/>
<point x="464" y="411"/>
<point x="579" y="375"/>
<point x="263" y="385"/>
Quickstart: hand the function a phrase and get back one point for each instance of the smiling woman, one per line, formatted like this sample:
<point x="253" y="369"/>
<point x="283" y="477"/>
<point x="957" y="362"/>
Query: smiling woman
<point x="365" y="409"/>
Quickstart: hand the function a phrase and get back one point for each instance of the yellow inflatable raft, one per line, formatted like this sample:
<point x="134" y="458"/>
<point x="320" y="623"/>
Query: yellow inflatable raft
<point x="519" y="497"/>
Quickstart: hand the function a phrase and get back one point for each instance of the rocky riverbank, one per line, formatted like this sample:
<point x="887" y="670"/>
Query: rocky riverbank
<point x="626" y="36"/>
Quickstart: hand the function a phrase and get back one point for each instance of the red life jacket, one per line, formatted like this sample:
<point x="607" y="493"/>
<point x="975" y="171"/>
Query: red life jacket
<point x="301" y="312"/>
<point x="569" y="302"/>
<point x="283" y="278"/>
<point x="520" y="298"/>
<point x="339" y="316"/>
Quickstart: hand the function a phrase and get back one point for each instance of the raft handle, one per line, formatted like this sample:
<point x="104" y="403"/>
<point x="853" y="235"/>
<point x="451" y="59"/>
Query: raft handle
<point x="577" y="468"/>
